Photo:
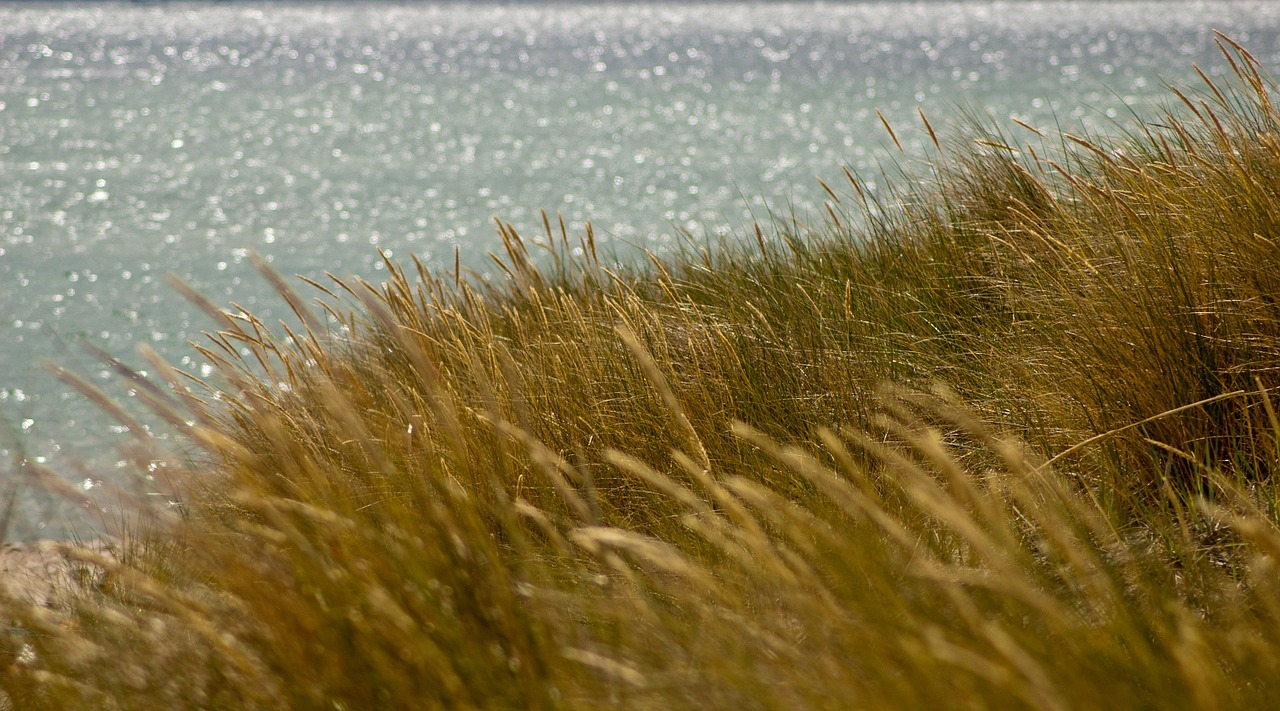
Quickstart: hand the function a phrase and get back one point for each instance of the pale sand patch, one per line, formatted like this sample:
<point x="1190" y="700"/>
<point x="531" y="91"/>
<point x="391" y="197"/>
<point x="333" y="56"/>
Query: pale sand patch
<point x="35" y="572"/>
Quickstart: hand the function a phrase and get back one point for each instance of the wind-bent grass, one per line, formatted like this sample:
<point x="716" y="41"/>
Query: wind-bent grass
<point x="733" y="479"/>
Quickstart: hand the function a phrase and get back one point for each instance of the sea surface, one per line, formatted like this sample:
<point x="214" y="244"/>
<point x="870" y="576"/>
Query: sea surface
<point x="137" y="140"/>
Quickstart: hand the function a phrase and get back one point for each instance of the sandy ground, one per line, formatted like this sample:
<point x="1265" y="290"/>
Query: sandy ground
<point x="33" y="571"/>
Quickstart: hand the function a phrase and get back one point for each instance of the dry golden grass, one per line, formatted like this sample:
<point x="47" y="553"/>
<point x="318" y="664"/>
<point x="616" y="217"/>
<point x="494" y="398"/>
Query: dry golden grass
<point x="733" y="479"/>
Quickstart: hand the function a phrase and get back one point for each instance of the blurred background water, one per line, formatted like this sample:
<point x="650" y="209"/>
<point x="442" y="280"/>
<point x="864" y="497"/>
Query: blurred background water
<point x="138" y="140"/>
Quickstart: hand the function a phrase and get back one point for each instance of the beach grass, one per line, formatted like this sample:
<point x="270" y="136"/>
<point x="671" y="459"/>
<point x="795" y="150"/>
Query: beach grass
<point x="1001" y="435"/>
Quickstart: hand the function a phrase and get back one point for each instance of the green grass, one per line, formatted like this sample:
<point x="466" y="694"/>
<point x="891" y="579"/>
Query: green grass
<point x="1002" y="436"/>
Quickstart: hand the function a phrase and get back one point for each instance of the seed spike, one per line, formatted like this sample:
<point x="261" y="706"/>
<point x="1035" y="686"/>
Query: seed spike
<point x="830" y="192"/>
<point x="1027" y="126"/>
<point x="885" y="122"/>
<point x="928" y="127"/>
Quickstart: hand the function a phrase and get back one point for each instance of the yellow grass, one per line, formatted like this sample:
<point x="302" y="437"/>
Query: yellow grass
<point x="1004" y="437"/>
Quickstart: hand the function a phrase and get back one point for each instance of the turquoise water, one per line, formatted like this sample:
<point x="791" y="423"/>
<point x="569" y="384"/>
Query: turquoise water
<point x="135" y="141"/>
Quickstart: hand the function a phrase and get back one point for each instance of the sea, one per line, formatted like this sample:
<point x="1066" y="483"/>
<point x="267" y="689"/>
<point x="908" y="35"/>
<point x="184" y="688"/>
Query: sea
<point x="141" y="140"/>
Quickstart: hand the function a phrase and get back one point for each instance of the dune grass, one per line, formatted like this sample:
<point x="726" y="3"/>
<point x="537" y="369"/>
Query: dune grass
<point x="1003" y="436"/>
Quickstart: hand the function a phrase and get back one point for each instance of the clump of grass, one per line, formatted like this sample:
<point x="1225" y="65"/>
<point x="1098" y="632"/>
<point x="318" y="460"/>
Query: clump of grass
<point x="732" y="479"/>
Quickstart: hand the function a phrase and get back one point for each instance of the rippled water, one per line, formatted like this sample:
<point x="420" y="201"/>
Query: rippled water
<point x="139" y="140"/>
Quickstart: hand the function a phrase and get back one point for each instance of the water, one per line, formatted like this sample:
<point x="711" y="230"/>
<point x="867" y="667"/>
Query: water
<point x="140" y="140"/>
